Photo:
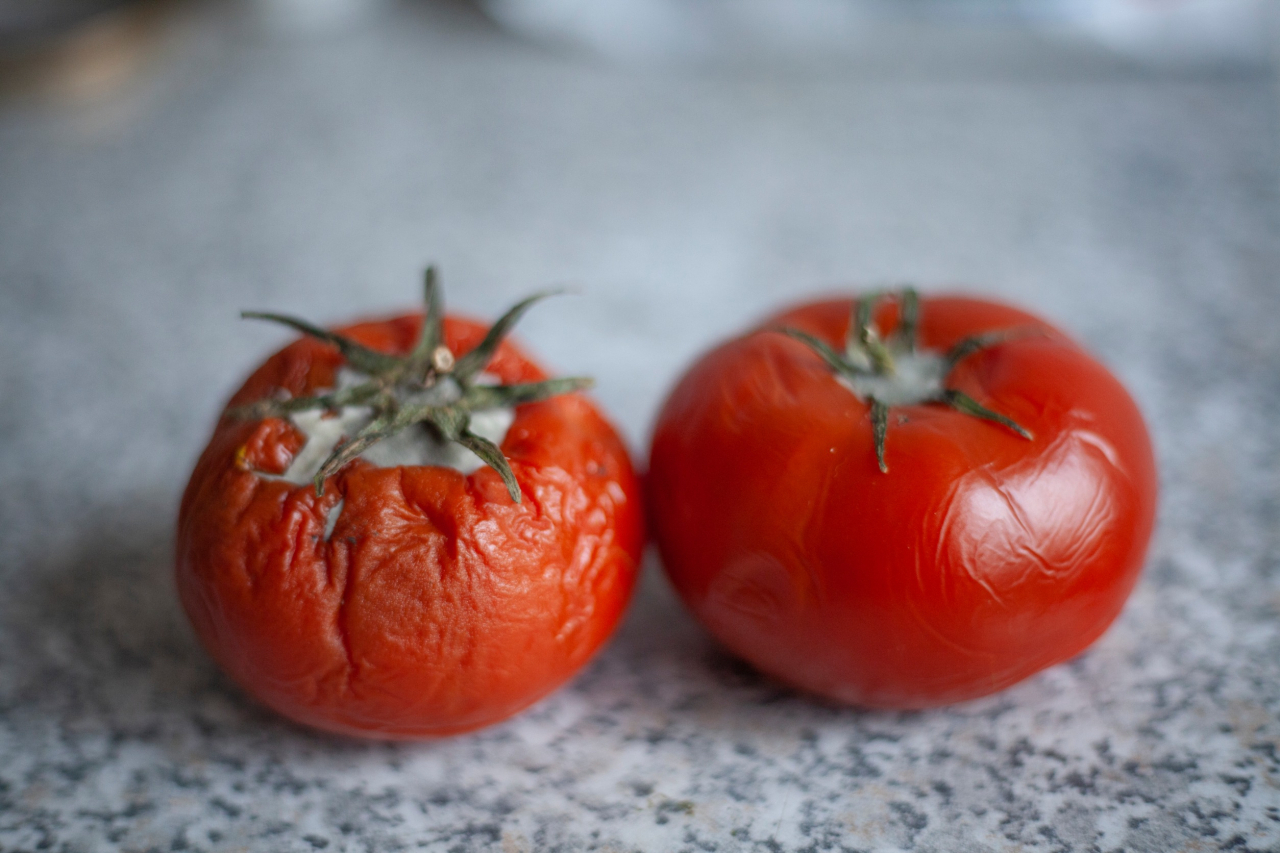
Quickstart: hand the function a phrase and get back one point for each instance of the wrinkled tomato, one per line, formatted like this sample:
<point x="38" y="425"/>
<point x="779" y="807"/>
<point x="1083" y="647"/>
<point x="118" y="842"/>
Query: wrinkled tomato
<point x="895" y="548"/>
<point x="410" y="600"/>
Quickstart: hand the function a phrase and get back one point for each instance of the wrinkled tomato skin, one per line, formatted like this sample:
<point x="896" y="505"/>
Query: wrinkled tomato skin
<point x="436" y="605"/>
<point x="978" y="559"/>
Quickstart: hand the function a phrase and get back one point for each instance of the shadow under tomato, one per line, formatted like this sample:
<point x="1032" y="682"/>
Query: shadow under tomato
<point x="97" y="637"/>
<point x="664" y="677"/>
<point x="96" y="645"/>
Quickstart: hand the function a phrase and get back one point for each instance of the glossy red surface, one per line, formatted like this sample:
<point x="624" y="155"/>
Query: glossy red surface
<point x="977" y="560"/>
<point x="436" y="604"/>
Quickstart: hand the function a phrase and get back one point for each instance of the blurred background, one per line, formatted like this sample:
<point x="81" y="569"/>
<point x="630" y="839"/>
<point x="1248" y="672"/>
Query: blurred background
<point x="687" y="166"/>
<point x="687" y="163"/>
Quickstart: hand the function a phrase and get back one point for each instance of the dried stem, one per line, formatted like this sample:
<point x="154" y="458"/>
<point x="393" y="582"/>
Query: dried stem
<point x="871" y="358"/>
<point x="394" y="390"/>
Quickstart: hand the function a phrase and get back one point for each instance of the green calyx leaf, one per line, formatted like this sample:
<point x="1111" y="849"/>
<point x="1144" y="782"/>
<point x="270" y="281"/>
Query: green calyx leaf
<point x="430" y="387"/>
<point x="884" y="372"/>
<point x="477" y="359"/>
<point x="357" y="355"/>
<point x="962" y="402"/>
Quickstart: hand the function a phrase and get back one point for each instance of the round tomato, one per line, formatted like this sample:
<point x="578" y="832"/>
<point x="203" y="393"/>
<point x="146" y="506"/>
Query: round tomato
<point x="902" y="503"/>
<point x="405" y="601"/>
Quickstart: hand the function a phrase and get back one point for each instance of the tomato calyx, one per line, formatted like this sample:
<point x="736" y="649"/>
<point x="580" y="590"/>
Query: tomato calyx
<point x="894" y="371"/>
<point x="431" y="386"/>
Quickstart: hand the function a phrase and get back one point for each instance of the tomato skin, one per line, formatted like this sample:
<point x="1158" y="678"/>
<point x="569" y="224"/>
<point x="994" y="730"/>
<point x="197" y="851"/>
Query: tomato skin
<point x="436" y="605"/>
<point x="979" y="559"/>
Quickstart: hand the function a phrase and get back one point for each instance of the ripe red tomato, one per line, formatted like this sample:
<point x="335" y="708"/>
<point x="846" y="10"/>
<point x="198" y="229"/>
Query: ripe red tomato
<point x="979" y="557"/>
<point x="433" y="603"/>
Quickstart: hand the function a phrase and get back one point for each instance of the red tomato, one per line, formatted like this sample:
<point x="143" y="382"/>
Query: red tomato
<point x="978" y="558"/>
<point x="435" y="604"/>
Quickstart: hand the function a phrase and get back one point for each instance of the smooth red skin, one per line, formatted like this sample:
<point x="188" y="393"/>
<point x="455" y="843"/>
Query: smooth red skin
<point x="978" y="559"/>
<point x="437" y="605"/>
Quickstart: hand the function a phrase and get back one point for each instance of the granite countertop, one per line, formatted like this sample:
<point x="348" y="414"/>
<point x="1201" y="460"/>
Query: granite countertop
<point x="316" y="174"/>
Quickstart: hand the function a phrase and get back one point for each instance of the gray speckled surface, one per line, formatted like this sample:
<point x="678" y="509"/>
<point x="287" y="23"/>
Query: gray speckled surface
<point x="250" y="170"/>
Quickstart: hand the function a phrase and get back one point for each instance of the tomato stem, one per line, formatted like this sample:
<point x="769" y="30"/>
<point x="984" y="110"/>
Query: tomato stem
<point x="430" y="386"/>
<point x="863" y="334"/>
<point x="893" y="371"/>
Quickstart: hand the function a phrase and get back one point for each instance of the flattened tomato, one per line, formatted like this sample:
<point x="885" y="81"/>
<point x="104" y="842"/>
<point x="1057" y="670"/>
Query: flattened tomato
<point x="902" y="503"/>
<point x="408" y="601"/>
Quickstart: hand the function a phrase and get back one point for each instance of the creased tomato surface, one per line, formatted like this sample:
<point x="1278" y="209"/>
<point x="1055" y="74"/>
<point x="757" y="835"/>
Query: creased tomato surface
<point x="434" y="604"/>
<point x="979" y="558"/>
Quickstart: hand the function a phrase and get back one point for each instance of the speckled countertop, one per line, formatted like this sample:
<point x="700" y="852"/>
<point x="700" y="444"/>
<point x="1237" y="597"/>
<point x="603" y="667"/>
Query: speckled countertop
<point x="245" y="169"/>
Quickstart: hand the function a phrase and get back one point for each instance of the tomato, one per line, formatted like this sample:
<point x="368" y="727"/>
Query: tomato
<point x="999" y="532"/>
<point x="407" y="601"/>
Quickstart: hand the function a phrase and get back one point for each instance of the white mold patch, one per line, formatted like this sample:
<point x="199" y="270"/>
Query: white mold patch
<point x="331" y="518"/>
<point x="917" y="377"/>
<point x="416" y="445"/>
